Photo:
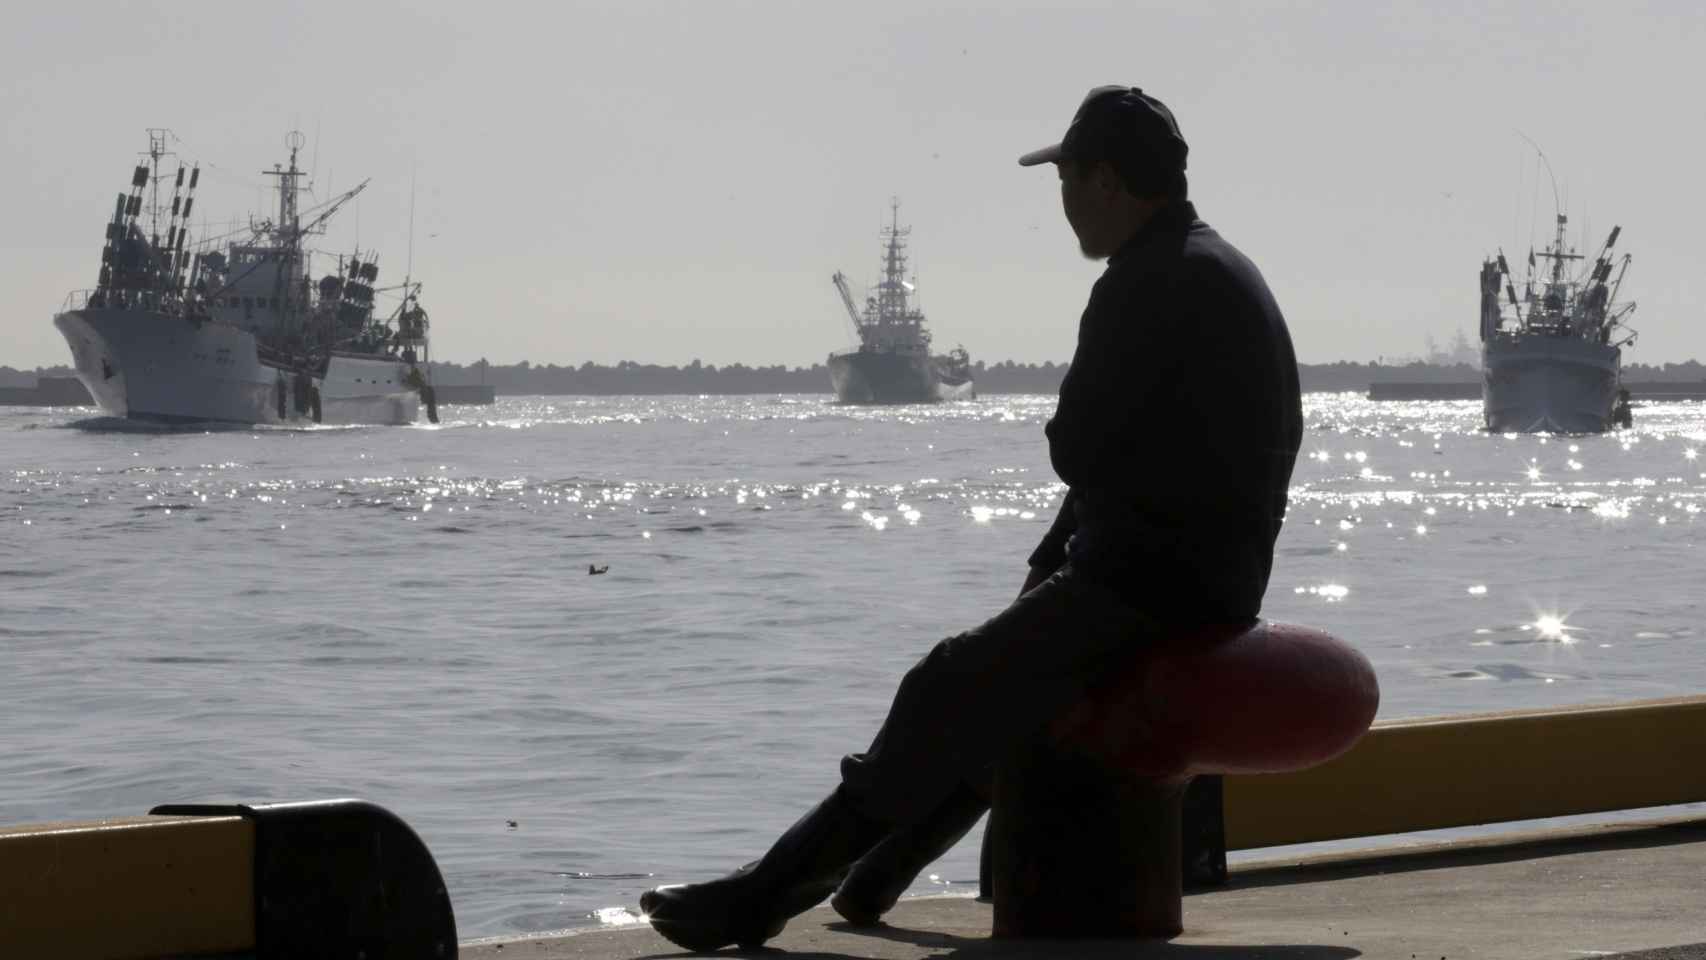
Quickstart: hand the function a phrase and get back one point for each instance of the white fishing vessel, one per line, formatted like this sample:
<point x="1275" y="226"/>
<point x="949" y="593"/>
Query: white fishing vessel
<point x="1551" y="359"/>
<point x="241" y="334"/>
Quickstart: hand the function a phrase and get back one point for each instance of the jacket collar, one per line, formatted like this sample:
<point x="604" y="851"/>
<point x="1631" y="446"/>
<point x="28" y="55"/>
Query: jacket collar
<point x="1175" y="217"/>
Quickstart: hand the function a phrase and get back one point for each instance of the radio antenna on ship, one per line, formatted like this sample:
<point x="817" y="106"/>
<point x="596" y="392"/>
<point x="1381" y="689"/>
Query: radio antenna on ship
<point x="1556" y="207"/>
<point x="151" y="178"/>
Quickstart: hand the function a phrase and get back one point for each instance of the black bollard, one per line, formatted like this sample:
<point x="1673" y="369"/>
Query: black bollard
<point x="1078" y="850"/>
<point x="340" y="878"/>
<point x="1203" y="833"/>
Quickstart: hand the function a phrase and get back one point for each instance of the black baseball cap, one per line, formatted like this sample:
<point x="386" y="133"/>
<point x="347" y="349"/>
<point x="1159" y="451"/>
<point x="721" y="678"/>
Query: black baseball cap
<point x="1123" y="125"/>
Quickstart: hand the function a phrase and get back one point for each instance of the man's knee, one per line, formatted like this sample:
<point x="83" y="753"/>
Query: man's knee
<point x="946" y="659"/>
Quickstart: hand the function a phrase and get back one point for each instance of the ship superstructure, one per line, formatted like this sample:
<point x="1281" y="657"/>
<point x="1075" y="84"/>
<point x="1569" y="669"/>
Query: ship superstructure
<point x="1551" y="358"/>
<point x="893" y="363"/>
<point x="241" y="332"/>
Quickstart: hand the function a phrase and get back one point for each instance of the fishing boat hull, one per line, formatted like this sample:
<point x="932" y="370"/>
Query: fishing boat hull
<point x="368" y="390"/>
<point x="155" y="367"/>
<point x="1534" y="383"/>
<point x="868" y="376"/>
<point x="146" y="365"/>
<point x="861" y="376"/>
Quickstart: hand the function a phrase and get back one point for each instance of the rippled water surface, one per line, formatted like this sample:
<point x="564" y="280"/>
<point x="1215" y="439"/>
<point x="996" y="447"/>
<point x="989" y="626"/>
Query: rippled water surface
<point x="405" y="614"/>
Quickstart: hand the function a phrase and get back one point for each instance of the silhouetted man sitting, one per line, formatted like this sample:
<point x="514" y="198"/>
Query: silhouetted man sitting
<point x="1177" y="428"/>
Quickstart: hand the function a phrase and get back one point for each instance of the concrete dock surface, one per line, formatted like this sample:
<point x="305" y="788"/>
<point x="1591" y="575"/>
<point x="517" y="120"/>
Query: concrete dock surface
<point x="1625" y="891"/>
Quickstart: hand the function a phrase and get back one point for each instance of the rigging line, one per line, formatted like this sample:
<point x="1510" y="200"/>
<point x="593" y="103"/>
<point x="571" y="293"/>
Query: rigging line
<point x="1554" y="177"/>
<point x="1582" y="272"/>
<point x="1533" y="214"/>
<point x="1516" y="212"/>
<point x="409" y="271"/>
<point x="205" y="240"/>
<point x="206" y="165"/>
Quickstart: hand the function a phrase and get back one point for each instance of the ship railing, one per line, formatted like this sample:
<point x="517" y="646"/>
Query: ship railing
<point x="387" y="354"/>
<point x="151" y="300"/>
<point x="98" y="299"/>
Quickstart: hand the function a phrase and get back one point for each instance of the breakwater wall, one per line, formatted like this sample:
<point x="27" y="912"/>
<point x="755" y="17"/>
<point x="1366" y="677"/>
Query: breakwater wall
<point x="1639" y="390"/>
<point x="47" y="392"/>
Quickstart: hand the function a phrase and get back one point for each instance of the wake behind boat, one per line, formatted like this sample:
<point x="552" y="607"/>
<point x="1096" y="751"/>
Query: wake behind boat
<point x="241" y="335"/>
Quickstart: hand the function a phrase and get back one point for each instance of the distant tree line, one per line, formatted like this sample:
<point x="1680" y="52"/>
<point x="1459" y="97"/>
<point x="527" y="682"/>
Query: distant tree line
<point x="1007" y="376"/>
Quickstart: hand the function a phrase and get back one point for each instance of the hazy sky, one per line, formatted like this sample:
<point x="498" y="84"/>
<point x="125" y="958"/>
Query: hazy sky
<point x="662" y="182"/>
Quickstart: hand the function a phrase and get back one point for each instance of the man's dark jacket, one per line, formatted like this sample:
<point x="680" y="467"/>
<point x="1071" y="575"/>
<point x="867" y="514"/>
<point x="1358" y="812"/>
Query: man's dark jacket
<point x="1178" y="425"/>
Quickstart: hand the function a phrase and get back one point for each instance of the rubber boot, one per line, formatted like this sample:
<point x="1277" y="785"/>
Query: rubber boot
<point x="751" y="905"/>
<point x="874" y="884"/>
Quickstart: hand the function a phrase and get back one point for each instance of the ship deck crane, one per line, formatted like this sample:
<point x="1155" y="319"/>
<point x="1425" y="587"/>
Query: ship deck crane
<point x="841" y="287"/>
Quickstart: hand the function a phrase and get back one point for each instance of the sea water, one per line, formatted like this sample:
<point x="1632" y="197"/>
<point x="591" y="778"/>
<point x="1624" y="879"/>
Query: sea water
<point x="407" y="614"/>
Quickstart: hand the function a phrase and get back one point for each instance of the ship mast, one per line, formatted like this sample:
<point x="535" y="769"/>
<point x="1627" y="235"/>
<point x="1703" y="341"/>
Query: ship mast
<point x="160" y="270"/>
<point x="169" y="259"/>
<point x="289" y="230"/>
<point x="287" y="216"/>
<point x="889" y="322"/>
<point x="891" y="294"/>
<point x="156" y="149"/>
<point x="1580" y="305"/>
<point x="1556" y="253"/>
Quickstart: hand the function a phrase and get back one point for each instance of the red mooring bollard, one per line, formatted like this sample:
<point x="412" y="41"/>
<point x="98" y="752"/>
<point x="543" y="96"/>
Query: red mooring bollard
<point x="1084" y="832"/>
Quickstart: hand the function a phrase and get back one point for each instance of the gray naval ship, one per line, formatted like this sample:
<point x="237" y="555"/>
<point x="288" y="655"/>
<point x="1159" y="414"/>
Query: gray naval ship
<point x="893" y="363"/>
<point x="1551" y="359"/>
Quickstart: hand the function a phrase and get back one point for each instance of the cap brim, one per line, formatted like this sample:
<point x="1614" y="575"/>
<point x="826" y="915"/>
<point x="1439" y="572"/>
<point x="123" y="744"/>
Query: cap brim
<point x="1045" y="155"/>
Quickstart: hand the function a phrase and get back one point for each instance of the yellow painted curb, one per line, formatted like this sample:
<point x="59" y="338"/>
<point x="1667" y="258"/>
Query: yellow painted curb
<point x="1437" y="772"/>
<point x="131" y="887"/>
